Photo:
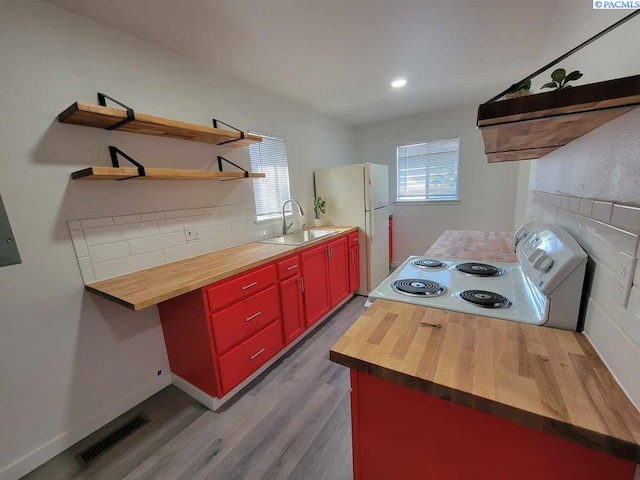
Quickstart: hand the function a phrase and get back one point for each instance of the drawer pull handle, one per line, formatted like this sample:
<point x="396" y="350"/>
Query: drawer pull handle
<point x="292" y="267"/>
<point x="248" y="319"/>
<point x="252" y="284"/>
<point x="258" y="353"/>
<point x="302" y="284"/>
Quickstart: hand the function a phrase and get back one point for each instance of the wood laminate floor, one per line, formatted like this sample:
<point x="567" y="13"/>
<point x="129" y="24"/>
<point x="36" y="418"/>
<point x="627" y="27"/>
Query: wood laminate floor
<point x="291" y="423"/>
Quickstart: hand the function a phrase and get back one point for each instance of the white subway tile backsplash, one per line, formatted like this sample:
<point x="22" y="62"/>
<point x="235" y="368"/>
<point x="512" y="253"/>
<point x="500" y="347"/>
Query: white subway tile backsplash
<point x="157" y="242"/>
<point x="244" y="226"/>
<point x="574" y="204"/>
<point x="147" y="217"/>
<point x="550" y="214"/>
<point x="174" y="254"/>
<point x="79" y="244"/>
<point x="86" y="270"/>
<point x="607" y="240"/>
<point x="116" y="233"/>
<point x="625" y="217"/>
<point x="570" y="221"/>
<point x="586" y="205"/>
<point x="230" y="240"/>
<point x="175" y="214"/>
<point x="122" y="266"/>
<point x="215" y="231"/>
<point x="614" y="347"/>
<point x="601" y="211"/>
<point x="564" y="203"/>
<point x="178" y="224"/>
<point x="231" y="217"/>
<point x="125" y="219"/>
<point x="113" y="246"/>
<point x="97" y="222"/>
<point x="628" y="319"/>
<point x="108" y="251"/>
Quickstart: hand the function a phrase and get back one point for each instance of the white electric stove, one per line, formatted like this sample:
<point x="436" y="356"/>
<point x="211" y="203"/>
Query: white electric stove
<point x="543" y="288"/>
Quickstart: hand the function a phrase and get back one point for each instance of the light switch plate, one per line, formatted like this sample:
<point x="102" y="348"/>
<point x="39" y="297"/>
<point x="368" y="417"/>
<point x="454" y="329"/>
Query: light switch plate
<point x="9" y="254"/>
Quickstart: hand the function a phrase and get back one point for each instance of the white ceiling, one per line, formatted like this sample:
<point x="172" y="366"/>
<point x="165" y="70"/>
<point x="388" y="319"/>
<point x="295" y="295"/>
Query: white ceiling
<point x="339" y="56"/>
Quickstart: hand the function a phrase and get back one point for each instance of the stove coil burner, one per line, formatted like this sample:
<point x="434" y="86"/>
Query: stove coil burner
<point x="479" y="269"/>
<point x="418" y="287"/>
<point x="427" y="263"/>
<point x="485" y="299"/>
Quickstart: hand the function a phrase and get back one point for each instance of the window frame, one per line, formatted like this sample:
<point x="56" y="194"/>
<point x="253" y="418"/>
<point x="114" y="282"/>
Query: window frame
<point x="288" y="208"/>
<point x="431" y="201"/>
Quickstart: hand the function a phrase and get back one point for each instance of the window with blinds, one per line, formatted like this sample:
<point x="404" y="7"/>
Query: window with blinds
<point x="270" y="157"/>
<point x="428" y="171"/>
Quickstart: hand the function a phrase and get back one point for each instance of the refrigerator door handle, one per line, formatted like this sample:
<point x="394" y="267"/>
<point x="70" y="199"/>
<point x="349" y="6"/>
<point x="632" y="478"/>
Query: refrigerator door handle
<point x="370" y="193"/>
<point x="372" y="215"/>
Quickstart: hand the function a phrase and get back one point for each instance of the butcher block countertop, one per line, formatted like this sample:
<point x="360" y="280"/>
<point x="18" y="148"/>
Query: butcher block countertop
<point x="149" y="287"/>
<point x="542" y="378"/>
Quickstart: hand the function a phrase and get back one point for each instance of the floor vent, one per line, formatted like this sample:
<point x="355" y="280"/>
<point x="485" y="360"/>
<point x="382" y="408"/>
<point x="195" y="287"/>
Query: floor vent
<point x="98" y="448"/>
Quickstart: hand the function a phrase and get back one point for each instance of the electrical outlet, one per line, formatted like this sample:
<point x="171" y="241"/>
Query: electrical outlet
<point x="191" y="234"/>
<point x="624" y="271"/>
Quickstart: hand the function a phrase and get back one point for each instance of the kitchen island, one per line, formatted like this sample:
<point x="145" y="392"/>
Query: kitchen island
<point x="481" y="397"/>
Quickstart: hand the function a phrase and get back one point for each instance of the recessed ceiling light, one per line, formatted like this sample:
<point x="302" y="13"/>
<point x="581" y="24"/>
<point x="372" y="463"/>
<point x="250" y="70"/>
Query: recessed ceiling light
<point x="399" y="82"/>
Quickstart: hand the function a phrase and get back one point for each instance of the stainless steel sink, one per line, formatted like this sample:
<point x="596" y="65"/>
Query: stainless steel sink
<point x="300" y="237"/>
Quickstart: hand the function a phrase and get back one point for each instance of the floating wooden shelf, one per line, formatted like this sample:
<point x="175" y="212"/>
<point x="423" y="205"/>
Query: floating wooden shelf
<point x="97" y="116"/>
<point x="529" y="127"/>
<point x="131" y="173"/>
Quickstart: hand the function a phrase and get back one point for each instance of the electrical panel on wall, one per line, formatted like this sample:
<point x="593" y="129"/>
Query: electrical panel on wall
<point x="9" y="254"/>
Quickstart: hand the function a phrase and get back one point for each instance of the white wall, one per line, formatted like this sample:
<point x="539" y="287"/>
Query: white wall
<point x="487" y="191"/>
<point x="70" y="361"/>
<point x="603" y="165"/>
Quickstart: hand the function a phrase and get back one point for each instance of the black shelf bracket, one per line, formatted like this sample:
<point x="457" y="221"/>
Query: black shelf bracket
<point x="220" y="159"/>
<point x="102" y="100"/>
<point x="215" y="125"/>
<point x="114" y="152"/>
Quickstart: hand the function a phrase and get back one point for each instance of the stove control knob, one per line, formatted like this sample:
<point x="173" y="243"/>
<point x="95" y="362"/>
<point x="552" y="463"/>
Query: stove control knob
<point x="543" y="263"/>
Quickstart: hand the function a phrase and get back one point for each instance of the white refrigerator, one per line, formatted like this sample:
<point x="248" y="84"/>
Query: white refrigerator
<point x="358" y="195"/>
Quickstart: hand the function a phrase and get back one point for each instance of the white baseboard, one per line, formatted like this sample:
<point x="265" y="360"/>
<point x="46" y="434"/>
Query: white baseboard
<point x="59" y="444"/>
<point x="214" y="403"/>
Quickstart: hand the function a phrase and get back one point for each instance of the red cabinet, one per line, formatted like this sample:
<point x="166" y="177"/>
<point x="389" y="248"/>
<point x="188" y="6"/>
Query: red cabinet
<point x="354" y="269"/>
<point x="338" y="271"/>
<point x="250" y="355"/>
<point x="316" y="283"/>
<point x="291" y="291"/>
<point x="227" y="291"/>
<point x="233" y="324"/>
<point x="218" y="336"/>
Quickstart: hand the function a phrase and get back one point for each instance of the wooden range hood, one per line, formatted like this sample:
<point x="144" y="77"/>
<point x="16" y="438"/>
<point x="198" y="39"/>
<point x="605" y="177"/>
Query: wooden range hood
<point x="529" y="127"/>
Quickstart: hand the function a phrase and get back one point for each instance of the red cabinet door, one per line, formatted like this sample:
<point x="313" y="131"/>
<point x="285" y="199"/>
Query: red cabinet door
<point x="315" y="276"/>
<point x="354" y="268"/>
<point x="338" y="271"/>
<point x="292" y="308"/>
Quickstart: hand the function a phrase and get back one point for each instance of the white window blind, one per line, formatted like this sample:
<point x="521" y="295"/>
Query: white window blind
<point x="270" y="157"/>
<point x="428" y="171"/>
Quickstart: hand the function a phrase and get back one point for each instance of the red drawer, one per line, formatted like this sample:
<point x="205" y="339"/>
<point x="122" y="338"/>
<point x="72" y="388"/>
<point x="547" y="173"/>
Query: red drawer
<point x="289" y="267"/>
<point x="241" y="320"/>
<point x="352" y="239"/>
<point x="249" y="356"/>
<point x="228" y="291"/>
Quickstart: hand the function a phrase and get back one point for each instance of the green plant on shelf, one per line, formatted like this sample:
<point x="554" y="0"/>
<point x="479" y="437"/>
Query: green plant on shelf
<point x="561" y="79"/>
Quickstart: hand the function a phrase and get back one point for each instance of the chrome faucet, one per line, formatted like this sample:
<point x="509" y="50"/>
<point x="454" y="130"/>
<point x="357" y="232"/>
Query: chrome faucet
<point x="285" y="227"/>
